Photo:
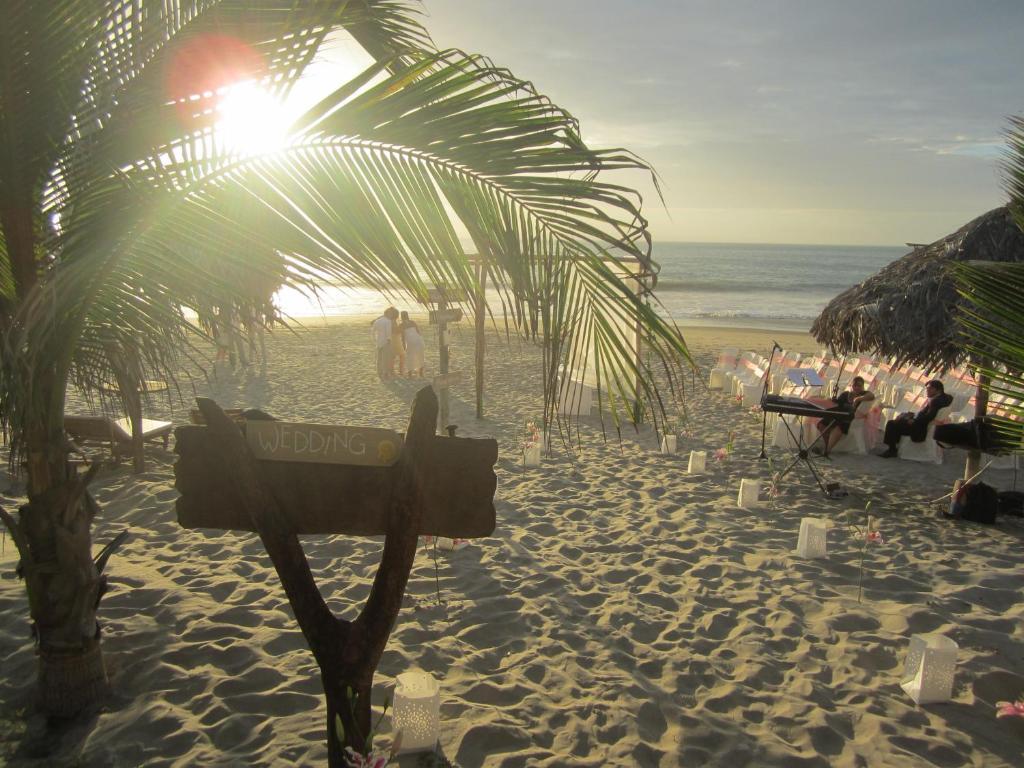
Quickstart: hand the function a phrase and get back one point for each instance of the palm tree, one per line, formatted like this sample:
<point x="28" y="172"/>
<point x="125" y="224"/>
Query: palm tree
<point x="122" y="206"/>
<point x="994" y="318"/>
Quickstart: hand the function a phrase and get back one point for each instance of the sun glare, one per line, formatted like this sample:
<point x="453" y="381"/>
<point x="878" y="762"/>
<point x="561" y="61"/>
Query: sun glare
<point x="251" y="120"/>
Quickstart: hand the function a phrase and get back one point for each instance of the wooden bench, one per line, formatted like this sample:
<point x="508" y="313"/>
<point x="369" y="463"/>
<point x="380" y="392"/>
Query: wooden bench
<point x="235" y="414"/>
<point x="115" y="433"/>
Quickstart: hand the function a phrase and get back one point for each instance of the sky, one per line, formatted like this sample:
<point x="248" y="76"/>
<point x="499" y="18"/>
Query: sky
<point x="776" y="121"/>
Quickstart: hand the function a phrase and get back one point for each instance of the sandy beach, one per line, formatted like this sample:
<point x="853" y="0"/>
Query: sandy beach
<point x="624" y="613"/>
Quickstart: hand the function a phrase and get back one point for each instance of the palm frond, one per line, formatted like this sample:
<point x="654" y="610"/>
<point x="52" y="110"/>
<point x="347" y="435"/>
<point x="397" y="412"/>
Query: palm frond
<point x="993" y="330"/>
<point x="365" y="194"/>
<point x="1013" y="168"/>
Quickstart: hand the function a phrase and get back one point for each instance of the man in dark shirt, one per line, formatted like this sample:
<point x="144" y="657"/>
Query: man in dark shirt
<point x="916" y="425"/>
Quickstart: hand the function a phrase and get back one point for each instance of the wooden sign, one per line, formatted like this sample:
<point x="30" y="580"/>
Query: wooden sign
<point x="323" y="444"/>
<point x="457" y="485"/>
<point x="448" y="379"/>
<point x="449" y="295"/>
<point x="438" y="316"/>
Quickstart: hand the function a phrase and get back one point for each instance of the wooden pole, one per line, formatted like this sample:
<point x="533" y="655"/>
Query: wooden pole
<point x="481" y="279"/>
<point x="442" y="340"/>
<point x="980" y="409"/>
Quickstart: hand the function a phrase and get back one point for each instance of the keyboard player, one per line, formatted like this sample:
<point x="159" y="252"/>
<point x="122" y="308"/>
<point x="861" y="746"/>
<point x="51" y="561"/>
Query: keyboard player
<point x="832" y="430"/>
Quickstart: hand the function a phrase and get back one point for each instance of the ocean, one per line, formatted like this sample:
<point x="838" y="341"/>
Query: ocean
<point x="760" y="285"/>
<point x="769" y="286"/>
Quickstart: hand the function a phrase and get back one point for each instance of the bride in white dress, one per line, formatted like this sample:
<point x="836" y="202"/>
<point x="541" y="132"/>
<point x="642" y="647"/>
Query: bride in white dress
<point x="413" y="347"/>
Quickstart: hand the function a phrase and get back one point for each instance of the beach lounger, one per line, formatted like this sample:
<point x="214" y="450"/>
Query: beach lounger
<point x="115" y="433"/>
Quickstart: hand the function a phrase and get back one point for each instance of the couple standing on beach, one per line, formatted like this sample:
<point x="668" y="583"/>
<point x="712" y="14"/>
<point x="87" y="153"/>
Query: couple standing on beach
<point x="397" y="343"/>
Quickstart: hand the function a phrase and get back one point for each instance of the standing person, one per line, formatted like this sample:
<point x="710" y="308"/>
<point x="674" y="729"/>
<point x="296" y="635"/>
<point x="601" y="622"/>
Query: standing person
<point x="414" y="346"/>
<point x="380" y="332"/>
<point x="916" y="426"/>
<point x="397" y="345"/>
<point x="847" y="401"/>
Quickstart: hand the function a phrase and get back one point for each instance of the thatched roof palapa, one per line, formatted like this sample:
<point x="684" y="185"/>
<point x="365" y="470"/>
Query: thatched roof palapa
<point x="909" y="309"/>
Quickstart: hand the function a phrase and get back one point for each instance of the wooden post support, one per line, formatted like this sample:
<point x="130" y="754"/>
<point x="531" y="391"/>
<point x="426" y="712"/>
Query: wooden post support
<point x="481" y="302"/>
<point x="442" y="340"/>
<point x="216" y="469"/>
<point x="973" y="463"/>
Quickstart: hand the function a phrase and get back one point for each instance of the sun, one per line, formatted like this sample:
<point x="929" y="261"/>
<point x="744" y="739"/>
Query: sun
<point x="252" y="121"/>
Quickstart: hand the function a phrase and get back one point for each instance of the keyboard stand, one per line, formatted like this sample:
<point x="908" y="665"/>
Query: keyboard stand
<point x="803" y="453"/>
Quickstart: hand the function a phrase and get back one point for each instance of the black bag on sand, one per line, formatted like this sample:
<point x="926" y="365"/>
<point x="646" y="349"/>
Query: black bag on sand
<point x="980" y="503"/>
<point x="1011" y="503"/>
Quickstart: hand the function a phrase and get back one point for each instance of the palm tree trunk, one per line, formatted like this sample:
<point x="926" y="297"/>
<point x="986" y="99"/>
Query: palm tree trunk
<point x="63" y="583"/>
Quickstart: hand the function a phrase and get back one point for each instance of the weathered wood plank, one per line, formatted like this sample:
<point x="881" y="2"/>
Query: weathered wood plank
<point x="458" y="490"/>
<point x="323" y="443"/>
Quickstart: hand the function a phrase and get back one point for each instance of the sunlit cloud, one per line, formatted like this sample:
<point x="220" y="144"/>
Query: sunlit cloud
<point x="894" y="112"/>
<point x="980" y="147"/>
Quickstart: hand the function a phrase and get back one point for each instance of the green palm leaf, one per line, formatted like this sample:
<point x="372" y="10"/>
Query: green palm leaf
<point x="365" y="193"/>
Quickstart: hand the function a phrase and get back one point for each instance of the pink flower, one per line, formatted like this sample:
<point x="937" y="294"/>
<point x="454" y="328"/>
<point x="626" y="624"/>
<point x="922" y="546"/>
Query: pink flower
<point x="355" y="760"/>
<point x="875" y="536"/>
<point x="721" y="454"/>
<point x="1010" y="708"/>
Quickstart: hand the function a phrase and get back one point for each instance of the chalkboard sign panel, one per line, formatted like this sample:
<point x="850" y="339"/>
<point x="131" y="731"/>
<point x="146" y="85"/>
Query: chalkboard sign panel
<point x="457" y="486"/>
<point x="323" y="444"/>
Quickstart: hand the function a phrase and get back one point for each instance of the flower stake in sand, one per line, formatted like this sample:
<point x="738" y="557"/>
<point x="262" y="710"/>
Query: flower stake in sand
<point x="417" y="711"/>
<point x="865" y="534"/>
<point x="698" y="461"/>
<point x="368" y="757"/>
<point x="928" y="673"/>
<point x="749" y="492"/>
<point x="531" y="444"/>
<point x="813" y="539"/>
<point x="723" y="453"/>
<point x="1010" y="708"/>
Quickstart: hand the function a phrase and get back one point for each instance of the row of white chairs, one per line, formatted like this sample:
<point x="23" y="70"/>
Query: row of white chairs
<point x="896" y="389"/>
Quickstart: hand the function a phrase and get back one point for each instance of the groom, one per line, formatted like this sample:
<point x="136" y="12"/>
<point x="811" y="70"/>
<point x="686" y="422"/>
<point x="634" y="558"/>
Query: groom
<point x="916" y="426"/>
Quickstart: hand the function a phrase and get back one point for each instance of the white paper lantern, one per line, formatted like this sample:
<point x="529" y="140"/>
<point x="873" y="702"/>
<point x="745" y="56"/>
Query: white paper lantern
<point x="698" y="461"/>
<point x="749" y="491"/>
<point x="813" y="539"/>
<point x="416" y="712"/>
<point x="451" y="545"/>
<point x="717" y="380"/>
<point x="531" y="455"/>
<point x="668" y="443"/>
<point x="928" y="672"/>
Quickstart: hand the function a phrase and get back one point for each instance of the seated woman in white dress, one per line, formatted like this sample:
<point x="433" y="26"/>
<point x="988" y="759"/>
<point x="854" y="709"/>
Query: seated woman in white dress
<point x="413" y="347"/>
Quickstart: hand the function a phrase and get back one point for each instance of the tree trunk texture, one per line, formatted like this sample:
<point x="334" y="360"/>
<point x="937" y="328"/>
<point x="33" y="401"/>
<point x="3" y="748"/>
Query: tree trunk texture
<point x="347" y="652"/>
<point x="53" y="531"/>
<point x="64" y="588"/>
<point x="479" y="309"/>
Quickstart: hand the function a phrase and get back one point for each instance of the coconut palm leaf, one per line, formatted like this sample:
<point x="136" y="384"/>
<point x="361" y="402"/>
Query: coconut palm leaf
<point x="993" y="322"/>
<point x="1013" y="168"/>
<point x="993" y="316"/>
<point x="365" y="193"/>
